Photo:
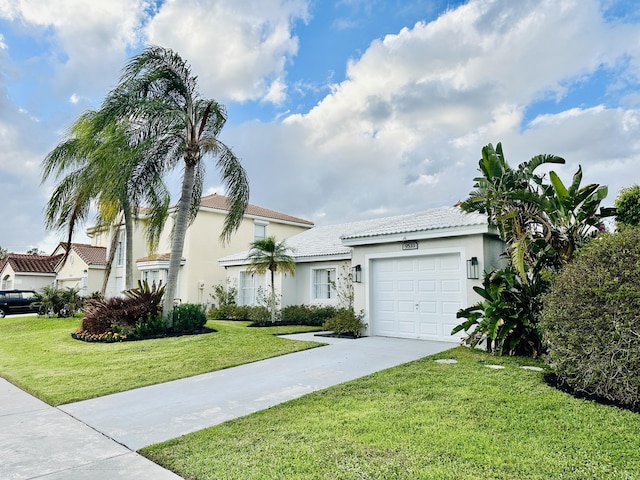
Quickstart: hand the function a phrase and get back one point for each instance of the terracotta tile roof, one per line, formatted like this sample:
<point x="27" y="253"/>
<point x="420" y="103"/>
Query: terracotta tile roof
<point x="164" y="257"/>
<point x="89" y="254"/>
<point x="23" y="263"/>
<point x="157" y="257"/>
<point x="219" y="202"/>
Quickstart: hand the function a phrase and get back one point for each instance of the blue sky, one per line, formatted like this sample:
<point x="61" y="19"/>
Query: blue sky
<point x="340" y="110"/>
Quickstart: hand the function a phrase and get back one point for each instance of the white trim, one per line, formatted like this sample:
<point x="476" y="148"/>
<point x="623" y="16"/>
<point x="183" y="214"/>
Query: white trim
<point x="421" y="235"/>
<point x="368" y="281"/>
<point x="324" y="301"/>
<point x="34" y="274"/>
<point x="317" y="258"/>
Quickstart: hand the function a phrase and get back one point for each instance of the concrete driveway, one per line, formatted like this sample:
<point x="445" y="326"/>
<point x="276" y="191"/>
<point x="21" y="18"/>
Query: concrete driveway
<point x="88" y="438"/>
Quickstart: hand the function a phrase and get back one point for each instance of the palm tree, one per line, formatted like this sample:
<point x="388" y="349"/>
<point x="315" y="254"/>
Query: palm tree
<point x="98" y="162"/>
<point x="157" y="97"/>
<point x="267" y="254"/>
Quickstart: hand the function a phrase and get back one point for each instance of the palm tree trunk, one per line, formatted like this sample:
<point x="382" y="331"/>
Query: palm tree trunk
<point x="128" y="229"/>
<point x="177" y="239"/>
<point x="273" y="298"/>
<point x="112" y="255"/>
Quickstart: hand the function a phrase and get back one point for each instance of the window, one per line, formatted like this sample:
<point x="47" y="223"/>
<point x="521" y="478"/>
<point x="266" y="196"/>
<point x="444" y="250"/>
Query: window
<point x="259" y="231"/>
<point x="6" y="282"/>
<point x="119" y="254"/>
<point x="151" y="276"/>
<point x="324" y="284"/>
<point x="252" y="286"/>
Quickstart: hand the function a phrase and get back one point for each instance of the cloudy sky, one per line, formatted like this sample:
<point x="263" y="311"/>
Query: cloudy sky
<point x="339" y="109"/>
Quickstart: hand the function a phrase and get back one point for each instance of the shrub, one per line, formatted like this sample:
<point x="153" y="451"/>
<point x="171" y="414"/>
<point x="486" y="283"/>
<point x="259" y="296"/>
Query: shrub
<point x="507" y="315"/>
<point x="312" y="315"/>
<point x="591" y="320"/>
<point x="224" y="294"/>
<point x="188" y="317"/>
<point x="346" y="322"/>
<point x="628" y="206"/>
<point x="138" y="305"/>
<point x="240" y="313"/>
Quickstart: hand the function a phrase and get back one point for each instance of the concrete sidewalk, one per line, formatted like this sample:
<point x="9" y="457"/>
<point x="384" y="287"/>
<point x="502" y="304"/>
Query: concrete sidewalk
<point x="40" y="441"/>
<point x="99" y="436"/>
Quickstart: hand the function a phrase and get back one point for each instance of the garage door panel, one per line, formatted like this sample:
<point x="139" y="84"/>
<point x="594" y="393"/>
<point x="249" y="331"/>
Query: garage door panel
<point x="428" y="307"/>
<point x="429" y="329"/>
<point x="451" y="307"/>
<point x="405" y="307"/>
<point x="386" y="306"/>
<point x="451" y="286"/>
<point x="407" y="327"/>
<point x="450" y="262"/>
<point x="417" y="297"/>
<point x="427" y="286"/>
<point x="405" y="266"/>
<point x="427" y="265"/>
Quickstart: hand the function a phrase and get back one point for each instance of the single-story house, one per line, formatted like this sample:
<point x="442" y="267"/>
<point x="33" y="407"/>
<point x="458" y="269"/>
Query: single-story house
<point x="27" y="272"/>
<point x="409" y="274"/>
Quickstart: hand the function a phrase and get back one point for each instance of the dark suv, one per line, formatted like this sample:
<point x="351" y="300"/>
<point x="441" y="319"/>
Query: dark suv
<point x="17" y="301"/>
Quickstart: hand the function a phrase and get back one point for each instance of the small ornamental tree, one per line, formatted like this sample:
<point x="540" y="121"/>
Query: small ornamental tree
<point x="591" y="319"/>
<point x="268" y="254"/>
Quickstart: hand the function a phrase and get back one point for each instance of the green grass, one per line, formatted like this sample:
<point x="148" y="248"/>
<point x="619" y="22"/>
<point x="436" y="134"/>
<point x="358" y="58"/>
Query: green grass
<point x="421" y="420"/>
<point x="39" y="356"/>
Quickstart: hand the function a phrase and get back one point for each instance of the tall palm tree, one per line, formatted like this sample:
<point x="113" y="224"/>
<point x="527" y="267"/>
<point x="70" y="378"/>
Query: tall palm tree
<point x="267" y="254"/>
<point x="99" y="162"/>
<point x="158" y="97"/>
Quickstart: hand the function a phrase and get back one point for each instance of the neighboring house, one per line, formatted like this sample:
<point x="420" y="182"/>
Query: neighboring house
<point x="410" y="273"/>
<point x="84" y="268"/>
<point x="27" y="272"/>
<point x="200" y="271"/>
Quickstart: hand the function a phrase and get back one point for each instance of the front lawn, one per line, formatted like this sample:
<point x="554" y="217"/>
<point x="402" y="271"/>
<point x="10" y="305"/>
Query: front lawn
<point x="39" y="356"/>
<point x="421" y="420"/>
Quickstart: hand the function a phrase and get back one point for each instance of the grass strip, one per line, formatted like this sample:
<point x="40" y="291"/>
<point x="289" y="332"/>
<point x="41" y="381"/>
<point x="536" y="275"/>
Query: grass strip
<point x="421" y="420"/>
<point x="39" y="356"/>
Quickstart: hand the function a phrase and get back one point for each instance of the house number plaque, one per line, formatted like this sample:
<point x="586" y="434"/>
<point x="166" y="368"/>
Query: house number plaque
<point x="410" y="245"/>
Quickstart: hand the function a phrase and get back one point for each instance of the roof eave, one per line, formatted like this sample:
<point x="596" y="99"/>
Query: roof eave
<point x="419" y="235"/>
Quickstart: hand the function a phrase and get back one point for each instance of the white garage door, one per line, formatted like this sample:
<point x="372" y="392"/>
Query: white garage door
<point x="417" y="297"/>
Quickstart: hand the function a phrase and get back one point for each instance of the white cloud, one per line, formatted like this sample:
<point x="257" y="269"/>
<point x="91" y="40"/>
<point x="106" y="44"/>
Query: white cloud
<point x="443" y="90"/>
<point x="238" y="49"/>
<point x="88" y="40"/>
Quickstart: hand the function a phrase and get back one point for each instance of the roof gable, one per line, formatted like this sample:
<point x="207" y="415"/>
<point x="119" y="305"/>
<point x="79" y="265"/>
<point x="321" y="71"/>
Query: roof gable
<point x="89" y="254"/>
<point x="220" y="202"/>
<point x="26" y="263"/>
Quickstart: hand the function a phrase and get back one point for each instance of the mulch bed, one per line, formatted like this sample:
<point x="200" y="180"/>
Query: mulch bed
<point x="552" y="380"/>
<point x="199" y="331"/>
<point x="337" y="335"/>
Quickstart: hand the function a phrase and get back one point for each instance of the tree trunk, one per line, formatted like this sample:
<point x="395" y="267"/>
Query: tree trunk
<point x="180" y="225"/>
<point x="112" y="255"/>
<point x="128" y="229"/>
<point x="273" y="298"/>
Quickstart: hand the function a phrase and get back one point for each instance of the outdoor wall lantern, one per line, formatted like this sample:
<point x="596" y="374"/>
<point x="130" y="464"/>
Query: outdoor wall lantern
<point x="356" y="274"/>
<point x="472" y="268"/>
